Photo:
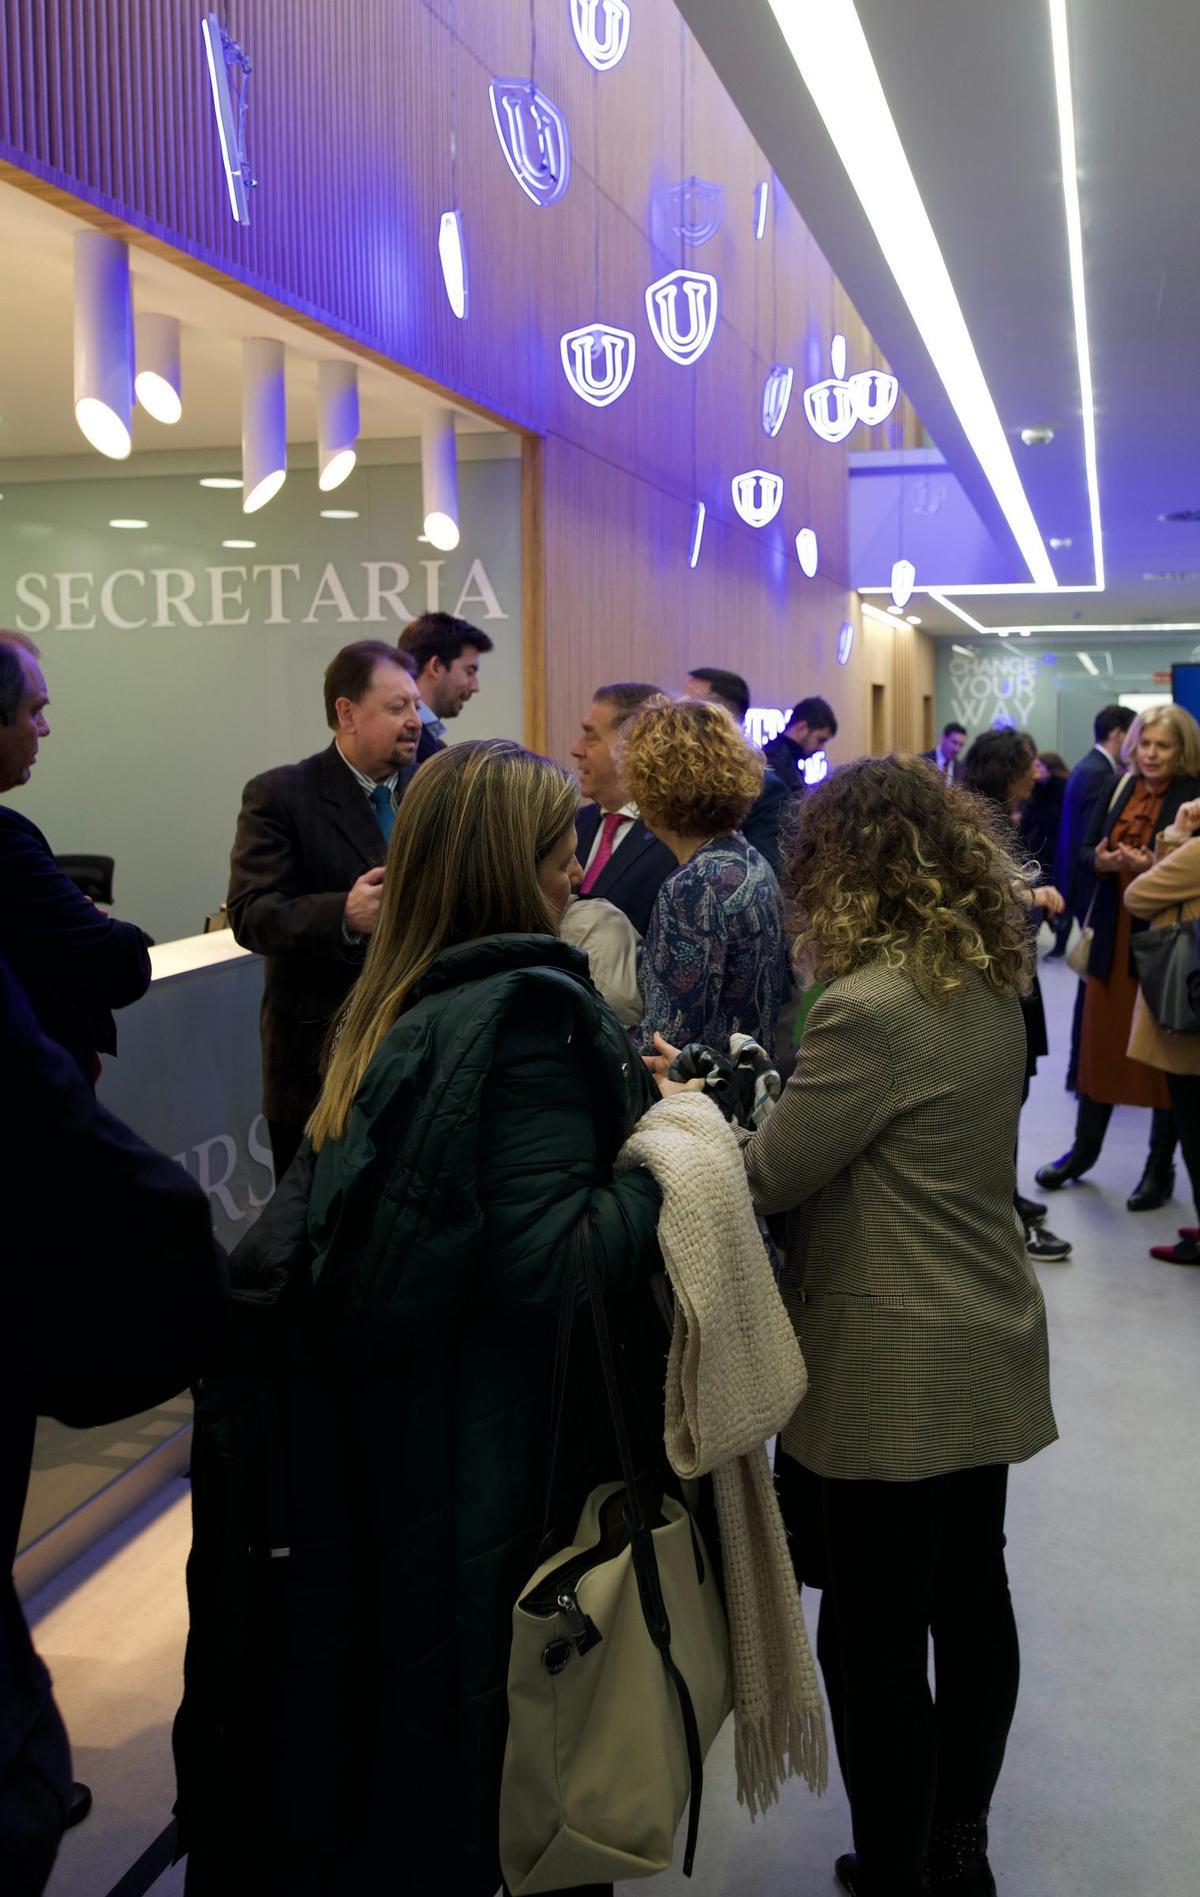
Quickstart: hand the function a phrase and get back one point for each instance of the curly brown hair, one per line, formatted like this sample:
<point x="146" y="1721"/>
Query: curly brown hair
<point x="891" y="864"/>
<point x="688" y="767"/>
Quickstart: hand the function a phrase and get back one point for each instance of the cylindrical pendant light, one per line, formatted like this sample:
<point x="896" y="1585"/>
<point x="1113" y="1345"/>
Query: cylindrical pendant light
<point x="337" y="423"/>
<point x="103" y="343"/>
<point x="439" y="479"/>
<point x="157" y="382"/>
<point x="264" y="422"/>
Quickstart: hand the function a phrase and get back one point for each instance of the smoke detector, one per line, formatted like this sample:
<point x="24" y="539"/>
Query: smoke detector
<point x="1058" y="541"/>
<point x="1037" y="437"/>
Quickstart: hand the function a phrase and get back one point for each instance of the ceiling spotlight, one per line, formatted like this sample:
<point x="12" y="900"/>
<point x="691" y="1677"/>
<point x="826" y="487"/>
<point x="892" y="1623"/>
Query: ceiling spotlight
<point x="1002" y="632"/>
<point x="264" y="422"/>
<point x="337" y="423"/>
<point x="1059" y="541"/>
<point x="129" y="523"/>
<point x="914" y="619"/>
<point x="439" y="479"/>
<point x="1025" y="633"/>
<point x="157" y="383"/>
<point x="895" y="612"/>
<point x="103" y="343"/>
<point x="1037" y="437"/>
<point x="219" y="480"/>
<point x="339" y="513"/>
<point x="239" y="543"/>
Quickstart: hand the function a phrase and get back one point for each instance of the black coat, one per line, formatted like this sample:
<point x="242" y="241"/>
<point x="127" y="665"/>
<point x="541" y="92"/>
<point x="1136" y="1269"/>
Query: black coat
<point x="634" y="873"/>
<point x="111" y="1293"/>
<point x="305" y="834"/>
<point x="427" y="745"/>
<point x="766" y="825"/>
<point x="347" y="1701"/>
<point x="783" y="757"/>
<point x="1040" y="822"/>
<point x="1092" y="782"/>
<point x="1105" y="909"/>
<point x="75" y="963"/>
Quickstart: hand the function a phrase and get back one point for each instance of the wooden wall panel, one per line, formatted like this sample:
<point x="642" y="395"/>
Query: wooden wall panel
<point x="354" y="112"/>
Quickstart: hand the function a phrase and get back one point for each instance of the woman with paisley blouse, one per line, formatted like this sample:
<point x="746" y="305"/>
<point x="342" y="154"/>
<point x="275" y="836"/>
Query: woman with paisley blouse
<point x="713" y="962"/>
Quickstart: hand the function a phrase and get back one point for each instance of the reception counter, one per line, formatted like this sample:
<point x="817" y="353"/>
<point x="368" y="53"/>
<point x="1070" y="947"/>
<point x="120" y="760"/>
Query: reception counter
<point x="187" y="1078"/>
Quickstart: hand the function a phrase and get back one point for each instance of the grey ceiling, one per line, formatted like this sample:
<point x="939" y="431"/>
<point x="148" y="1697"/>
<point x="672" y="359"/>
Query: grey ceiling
<point x="970" y="86"/>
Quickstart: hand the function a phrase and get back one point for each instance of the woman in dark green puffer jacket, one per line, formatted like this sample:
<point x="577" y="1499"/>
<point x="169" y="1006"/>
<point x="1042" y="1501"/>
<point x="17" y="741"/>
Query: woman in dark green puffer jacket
<point x="477" y="1093"/>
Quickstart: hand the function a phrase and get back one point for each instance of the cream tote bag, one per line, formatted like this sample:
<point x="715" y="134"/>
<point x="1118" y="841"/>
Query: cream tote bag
<point x="619" y="1679"/>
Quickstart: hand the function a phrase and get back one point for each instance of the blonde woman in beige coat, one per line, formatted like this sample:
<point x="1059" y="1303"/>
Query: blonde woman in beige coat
<point x="1168" y="893"/>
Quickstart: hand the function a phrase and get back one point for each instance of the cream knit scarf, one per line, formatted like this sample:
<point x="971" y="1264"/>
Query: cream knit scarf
<point x="734" y="1378"/>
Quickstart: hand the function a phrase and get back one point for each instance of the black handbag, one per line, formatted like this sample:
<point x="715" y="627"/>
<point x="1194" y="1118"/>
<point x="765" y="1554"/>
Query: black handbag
<point x="1163" y="959"/>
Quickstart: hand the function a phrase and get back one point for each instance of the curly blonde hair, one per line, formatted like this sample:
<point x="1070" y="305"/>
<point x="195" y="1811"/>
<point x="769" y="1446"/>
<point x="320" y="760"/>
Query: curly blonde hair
<point x="688" y="767"/>
<point x="891" y="864"/>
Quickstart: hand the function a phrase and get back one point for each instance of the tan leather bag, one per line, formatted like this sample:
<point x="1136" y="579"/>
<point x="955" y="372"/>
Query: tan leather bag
<point x="619" y="1678"/>
<point x="596" y="1774"/>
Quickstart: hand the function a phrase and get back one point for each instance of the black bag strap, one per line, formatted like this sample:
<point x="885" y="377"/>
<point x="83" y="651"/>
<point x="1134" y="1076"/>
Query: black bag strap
<point x="641" y="1542"/>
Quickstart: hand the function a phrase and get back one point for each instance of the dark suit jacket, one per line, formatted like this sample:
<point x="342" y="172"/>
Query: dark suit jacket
<point x="634" y="874"/>
<point x="89" y="1331"/>
<point x="306" y="833"/>
<point x="765" y="821"/>
<point x="1105" y="909"/>
<point x="1092" y="781"/>
<point x="427" y="746"/>
<point x="75" y="963"/>
<point x="783" y="757"/>
<point x="931" y="757"/>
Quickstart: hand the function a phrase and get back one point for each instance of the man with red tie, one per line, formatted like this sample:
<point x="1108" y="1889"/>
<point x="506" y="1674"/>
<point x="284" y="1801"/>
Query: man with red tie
<point x="621" y="860"/>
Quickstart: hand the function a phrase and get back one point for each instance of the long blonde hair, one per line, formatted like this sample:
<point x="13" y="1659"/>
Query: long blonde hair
<point x="476" y="822"/>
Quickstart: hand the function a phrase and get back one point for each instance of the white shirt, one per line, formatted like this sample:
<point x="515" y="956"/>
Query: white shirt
<point x="627" y="810"/>
<point x="368" y="783"/>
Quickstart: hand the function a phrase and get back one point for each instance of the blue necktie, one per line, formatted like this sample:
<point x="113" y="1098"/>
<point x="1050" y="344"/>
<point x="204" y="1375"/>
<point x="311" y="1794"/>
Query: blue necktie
<point x="385" y="816"/>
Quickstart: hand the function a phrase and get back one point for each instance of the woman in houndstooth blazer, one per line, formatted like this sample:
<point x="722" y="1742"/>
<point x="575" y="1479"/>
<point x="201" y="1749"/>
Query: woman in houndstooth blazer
<point x="921" y="1320"/>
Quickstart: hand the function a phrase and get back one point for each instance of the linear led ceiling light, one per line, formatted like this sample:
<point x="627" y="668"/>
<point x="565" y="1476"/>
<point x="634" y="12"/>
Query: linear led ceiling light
<point x="157" y="383"/>
<point x="264" y="422"/>
<point x="826" y="41"/>
<point x="439" y="479"/>
<point x="337" y="423"/>
<point x="103" y="343"/>
<point x="1061" y="44"/>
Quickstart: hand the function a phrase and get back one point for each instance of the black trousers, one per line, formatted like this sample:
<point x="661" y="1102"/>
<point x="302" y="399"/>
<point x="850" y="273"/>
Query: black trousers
<point x="1185" y="1099"/>
<point x="902" y="1561"/>
<point x="285" y="1137"/>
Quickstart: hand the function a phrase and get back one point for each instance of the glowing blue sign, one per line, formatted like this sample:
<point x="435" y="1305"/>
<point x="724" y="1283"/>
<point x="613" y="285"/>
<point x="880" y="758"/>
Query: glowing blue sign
<point x="697" y="207"/>
<point x="904" y="576"/>
<point x="845" y="642"/>
<point x="806" y="552"/>
<point x="777" y="393"/>
<point x="602" y="50"/>
<point x="874" y="396"/>
<point x="762" y="194"/>
<point x="757" y="496"/>
<point x="698" y="513"/>
<point x="835" y="406"/>
<point x="453" y="256"/>
<point x="225" y="57"/>
<point x="598" y="362"/>
<point x="533" y="137"/>
<point x="699" y="293"/>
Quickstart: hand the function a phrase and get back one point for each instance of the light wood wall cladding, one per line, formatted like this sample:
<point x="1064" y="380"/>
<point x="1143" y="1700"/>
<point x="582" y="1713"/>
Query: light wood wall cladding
<point x="350" y="134"/>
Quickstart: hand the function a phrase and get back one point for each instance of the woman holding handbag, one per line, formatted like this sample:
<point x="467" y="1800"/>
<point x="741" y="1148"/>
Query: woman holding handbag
<point x="1169" y="893"/>
<point x="346" y="1712"/>
<point x="1161" y="757"/>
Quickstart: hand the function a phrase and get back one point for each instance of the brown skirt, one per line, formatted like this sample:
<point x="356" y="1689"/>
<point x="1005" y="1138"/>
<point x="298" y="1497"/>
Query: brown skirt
<point x="1105" y="1069"/>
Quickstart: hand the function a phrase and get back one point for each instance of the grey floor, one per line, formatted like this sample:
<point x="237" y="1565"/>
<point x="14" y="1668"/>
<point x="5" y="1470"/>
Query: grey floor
<point x="1099" y="1793"/>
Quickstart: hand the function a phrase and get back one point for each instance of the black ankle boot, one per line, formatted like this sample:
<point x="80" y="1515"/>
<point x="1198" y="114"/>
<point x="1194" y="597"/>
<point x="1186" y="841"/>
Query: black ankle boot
<point x="957" y="1862"/>
<point x="1072" y="1165"/>
<point x="1155" y="1187"/>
